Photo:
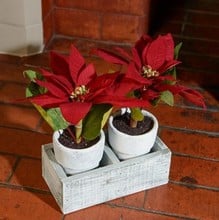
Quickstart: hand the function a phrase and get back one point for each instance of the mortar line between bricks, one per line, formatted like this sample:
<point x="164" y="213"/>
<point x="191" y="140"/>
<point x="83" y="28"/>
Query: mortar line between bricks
<point x="151" y="211"/>
<point x="26" y="130"/>
<point x="195" y="157"/>
<point x="191" y="131"/>
<point x="202" y="70"/>
<point x="195" y="186"/>
<point x="13" y="169"/>
<point x="26" y="188"/>
<point x="20" y="156"/>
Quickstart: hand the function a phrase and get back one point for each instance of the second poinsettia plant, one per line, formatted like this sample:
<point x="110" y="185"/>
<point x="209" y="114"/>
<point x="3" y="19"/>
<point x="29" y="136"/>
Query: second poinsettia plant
<point x="151" y="64"/>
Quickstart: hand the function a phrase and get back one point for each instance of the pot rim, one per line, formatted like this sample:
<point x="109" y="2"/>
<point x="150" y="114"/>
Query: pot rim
<point x="67" y="149"/>
<point x="147" y="113"/>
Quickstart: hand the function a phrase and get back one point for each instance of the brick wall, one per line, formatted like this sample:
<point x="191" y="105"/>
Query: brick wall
<point x="120" y="21"/>
<point x="48" y="24"/>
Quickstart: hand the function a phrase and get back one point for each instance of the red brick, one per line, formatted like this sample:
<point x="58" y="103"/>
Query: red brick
<point x="198" y="77"/>
<point x="183" y="201"/>
<point x="46" y="7"/>
<point x="48" y="28"/>
<point x="174" y="28"/>
<point x="194" y="171"/>
<point x="198" y="46"/>
<point x="19" y="117"/>
<point x="77" y="23"/>
<point x="199" y="62"/>
<point x="203" y="19"/>
<point x="204" y="6"/>
<point x="201" y="32"/>
<point x="6" y="168"/>
<point x="138" y="7"/>
<point x="200" y="145"/>
<point x="23" y="143"/>
<point x="122" y="28"/>
<point x="28" y="173"/>
<point x="19" y="204"/>
<point x="114" y="213"/>
<point x="181" y="118"/>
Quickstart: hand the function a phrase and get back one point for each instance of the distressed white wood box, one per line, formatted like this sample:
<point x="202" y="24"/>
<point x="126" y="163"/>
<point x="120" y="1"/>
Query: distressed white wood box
<point x="111" y="180"/>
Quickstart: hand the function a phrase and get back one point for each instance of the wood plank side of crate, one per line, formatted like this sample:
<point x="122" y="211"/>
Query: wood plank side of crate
<point x="108" y="182"/>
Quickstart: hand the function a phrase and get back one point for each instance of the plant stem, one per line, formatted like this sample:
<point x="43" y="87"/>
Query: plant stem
<point x="133" y="123"/>
<point x="78" y="131"/>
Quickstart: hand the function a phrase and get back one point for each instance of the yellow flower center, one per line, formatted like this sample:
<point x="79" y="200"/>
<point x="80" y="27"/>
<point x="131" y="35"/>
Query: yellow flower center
<point x="78" y="93"/>
<point x="148" y="72"/>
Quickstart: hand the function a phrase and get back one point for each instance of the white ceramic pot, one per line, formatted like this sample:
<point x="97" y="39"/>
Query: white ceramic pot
<point x="78" y="160"/>
<point x="128" y="146"/>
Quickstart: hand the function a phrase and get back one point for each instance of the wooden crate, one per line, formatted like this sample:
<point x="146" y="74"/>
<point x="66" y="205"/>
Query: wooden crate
<point x="113" y="179"/>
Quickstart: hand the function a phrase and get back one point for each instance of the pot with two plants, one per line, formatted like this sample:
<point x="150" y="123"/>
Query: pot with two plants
<point x="77" y="102"/>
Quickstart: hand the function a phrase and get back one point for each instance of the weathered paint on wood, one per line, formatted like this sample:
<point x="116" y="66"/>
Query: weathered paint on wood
<point x="112" y="179"/>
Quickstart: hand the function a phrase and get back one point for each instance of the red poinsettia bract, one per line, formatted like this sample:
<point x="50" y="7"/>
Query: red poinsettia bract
<point x="148" y="64"/>
<point x="75" y="87"/>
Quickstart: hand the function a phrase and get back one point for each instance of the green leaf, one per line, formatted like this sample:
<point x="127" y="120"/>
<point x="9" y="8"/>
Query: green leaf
<point x="33" y="89"/>
<point x="93" y="122"/>
<point x="176" y="50"/>
<point x="32" y="75"/>
<point x="167" y="97"/>
<point x="136" y="114"/>
<point x="53" y="117"/>
<point x="176" y="55"/>
<point x="105" y="117"/>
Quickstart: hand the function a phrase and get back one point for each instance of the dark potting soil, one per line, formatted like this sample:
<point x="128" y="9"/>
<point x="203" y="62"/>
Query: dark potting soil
<point x="66" y="139"/>
<point x="121" y="122"/>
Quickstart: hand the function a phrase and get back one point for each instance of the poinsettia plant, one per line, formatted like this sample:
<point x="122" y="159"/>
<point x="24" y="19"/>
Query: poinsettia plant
<point x="151" y="64"/>
<point x="73" y="94"/>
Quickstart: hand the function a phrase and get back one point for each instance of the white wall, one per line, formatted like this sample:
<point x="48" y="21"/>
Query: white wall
<point x="21" y="31"/>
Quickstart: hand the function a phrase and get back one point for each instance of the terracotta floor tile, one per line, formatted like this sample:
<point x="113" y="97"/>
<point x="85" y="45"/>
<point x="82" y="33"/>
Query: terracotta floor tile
<point x="199" y="145"/>
<point x="12" y="72"/>
<point x="12" y="92"/>
<point x="44" y="128"/>
<point x="19" y="117"/>
<point x="38" y="60"/>
<point x="183" y="201"/>
<point x="23" y="143"/>
<point x="10" y="59"/>
<point x="6" y="168"/>
<point x="29" y="173"/>
<point x="134" y="200"/>
<point x="194" y="171"/>
<point x="107" y="212"/>
<point x="181" y="118"/>
<point x="20" y="204"/>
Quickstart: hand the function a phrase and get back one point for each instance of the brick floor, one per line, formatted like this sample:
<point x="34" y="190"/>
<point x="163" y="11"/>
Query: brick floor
<point x="191" y="133"/>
